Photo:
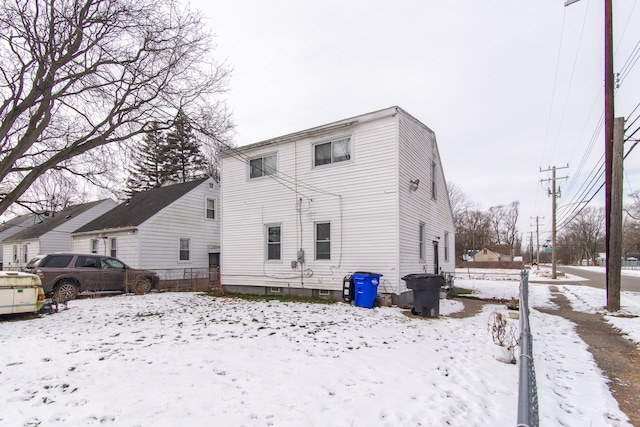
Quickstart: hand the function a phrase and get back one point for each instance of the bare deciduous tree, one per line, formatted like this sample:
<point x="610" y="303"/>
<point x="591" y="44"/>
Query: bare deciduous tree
<point x="77" y="75"/>
<point x="504" y="223"/>
<point x="631" y="226"/>
<point x="584" y="235"/>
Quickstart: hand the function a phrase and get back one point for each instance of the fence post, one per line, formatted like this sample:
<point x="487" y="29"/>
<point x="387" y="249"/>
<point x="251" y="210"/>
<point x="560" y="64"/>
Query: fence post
<point x="527" y="390"/>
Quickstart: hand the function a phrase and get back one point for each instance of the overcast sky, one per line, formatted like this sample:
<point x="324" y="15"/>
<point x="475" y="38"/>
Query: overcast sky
<point x="509" y="87"/>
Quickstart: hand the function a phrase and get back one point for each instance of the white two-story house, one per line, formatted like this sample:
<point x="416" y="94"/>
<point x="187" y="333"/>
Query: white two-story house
<point x="301" y="211"/>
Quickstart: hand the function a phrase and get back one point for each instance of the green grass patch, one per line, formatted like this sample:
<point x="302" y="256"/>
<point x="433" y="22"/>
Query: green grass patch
<point x="456" y="291"/>
<point x="282" y="298"/>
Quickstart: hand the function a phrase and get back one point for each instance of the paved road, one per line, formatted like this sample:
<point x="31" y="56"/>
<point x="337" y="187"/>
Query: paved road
<point x="596" y="278"/>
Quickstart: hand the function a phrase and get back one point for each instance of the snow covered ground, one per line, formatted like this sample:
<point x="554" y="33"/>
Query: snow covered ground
<point x="184" y="359"/>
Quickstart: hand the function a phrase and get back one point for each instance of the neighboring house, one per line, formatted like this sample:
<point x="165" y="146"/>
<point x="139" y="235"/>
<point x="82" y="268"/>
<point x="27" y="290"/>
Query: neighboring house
<point x="51" y="234"/>
<point x="161" y="229"/>
<point x="487" y="255"/>
<point x="301" y="211"/>
<point x="11" y="227"/>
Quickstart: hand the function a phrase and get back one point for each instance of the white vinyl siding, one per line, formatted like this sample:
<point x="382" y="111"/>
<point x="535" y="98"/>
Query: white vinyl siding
<point x="418" y="154"/>
<point x="357" y="198"/>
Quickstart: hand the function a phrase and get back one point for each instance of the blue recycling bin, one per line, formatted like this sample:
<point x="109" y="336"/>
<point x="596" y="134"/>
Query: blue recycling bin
<point x="366" y="288"/>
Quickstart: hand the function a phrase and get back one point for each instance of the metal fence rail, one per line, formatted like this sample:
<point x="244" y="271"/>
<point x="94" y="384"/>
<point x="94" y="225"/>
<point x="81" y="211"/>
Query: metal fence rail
<point x="528" y="391"/>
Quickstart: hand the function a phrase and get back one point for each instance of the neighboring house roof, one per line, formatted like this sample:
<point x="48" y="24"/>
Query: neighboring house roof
<point x="140" y="207"/>
<point x="52" y="222"/>
<point x="500" y="249"/>
<point x="13" y="222"/>
<point x="482" y="252"/>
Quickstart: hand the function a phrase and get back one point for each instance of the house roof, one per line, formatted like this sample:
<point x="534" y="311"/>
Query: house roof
<point x="15" y="221"/>
<point x="140" y="207"/>
<point x="51" y="222"/>
<point x="329" y="127"/>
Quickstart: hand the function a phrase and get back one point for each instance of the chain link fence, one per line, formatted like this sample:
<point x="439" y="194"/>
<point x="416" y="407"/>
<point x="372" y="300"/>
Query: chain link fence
<point x="189" y="279"/>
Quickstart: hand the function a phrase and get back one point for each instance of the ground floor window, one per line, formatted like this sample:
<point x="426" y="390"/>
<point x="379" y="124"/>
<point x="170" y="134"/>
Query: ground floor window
<point x="274" y="242"/>
<point x="323" y="240"/>
<point x="113" y="243"/>
<point x="185" y="245"/>
<point x="421" y="247"/>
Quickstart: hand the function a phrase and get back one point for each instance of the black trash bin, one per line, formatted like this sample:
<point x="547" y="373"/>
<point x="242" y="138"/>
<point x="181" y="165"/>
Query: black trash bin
<point x="426" y="293"/>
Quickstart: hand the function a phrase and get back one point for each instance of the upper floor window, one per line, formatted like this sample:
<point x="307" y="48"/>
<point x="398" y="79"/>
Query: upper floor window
<point x="211" y="208"/>
<point x="332" y="152"/>
<point x="263" y="166"/>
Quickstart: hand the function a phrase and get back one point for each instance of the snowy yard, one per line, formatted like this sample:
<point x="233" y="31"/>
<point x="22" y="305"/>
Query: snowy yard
<point x="178" y="359"/>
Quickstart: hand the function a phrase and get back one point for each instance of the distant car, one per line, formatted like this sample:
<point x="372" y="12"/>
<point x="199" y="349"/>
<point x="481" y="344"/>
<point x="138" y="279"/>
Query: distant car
<point x="20" y="293"/>
<point x="64" y="275"/>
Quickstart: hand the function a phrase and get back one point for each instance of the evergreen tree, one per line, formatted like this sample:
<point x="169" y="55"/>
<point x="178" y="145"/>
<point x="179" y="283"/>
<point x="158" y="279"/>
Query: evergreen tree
<point x="185" y="160"/>
<point x="150" y="166"/>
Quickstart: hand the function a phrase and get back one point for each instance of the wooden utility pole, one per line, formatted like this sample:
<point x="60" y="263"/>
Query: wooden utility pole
<point x="554" y="193"/>
<point x="608" y="125"/>
<point x="609" y="114"/>
<point x="615" y="241"/>
<point x="537" y="242"/>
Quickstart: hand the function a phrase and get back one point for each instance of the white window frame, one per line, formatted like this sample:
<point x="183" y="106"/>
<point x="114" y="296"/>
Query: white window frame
<point x="434" y="180"/>
<point x="93" y="246"/>
<point x="332" y="160"/>
<point x="316" y="241"/>
<point x="15" y="253"/>
<point x="113" y="247"/>
<point x="25" y="249"/>
<point x="207" y="209"/>
<point x="180" y="250"/>
<point x="267" y="243"/>
<point x="446" y="246"/>
<point x="422" y="253"/>
<point x="264" y="172"/>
